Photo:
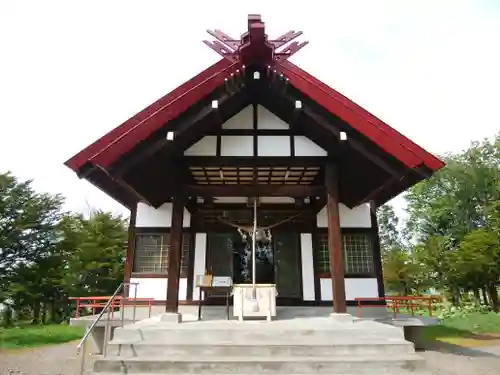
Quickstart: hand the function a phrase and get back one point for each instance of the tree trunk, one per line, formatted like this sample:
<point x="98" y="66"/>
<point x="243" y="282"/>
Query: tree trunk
<point x="477" y="296"/>
<point x="36" y="313"/>
<point x="458" y="296"/>
<point x="406" y="291"/>
<point x="7" y="316"/>
<point x="493" y="296"/>
<point x="53" y="312"/>
<point x="485" y="296"/>
<point x="44" y="314"/>
<point x="455" y="296"/>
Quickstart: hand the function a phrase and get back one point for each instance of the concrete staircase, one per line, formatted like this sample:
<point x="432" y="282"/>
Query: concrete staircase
<point x="295" y="346"/>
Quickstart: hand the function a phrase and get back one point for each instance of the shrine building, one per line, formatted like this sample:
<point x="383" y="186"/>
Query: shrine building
<point x="254" y="128"/>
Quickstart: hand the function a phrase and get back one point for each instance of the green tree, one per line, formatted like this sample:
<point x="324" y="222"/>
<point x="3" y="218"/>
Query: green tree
<point x="47" y="255"/>
<point x="477" y="262"/>
<point x="97" y="249"/>
<point x="403" y="274"/>
<point x="28" y="222"/>
<point x="455" y="212"/>
<point x="455" y="200"/>
<point x="389" y="233"/>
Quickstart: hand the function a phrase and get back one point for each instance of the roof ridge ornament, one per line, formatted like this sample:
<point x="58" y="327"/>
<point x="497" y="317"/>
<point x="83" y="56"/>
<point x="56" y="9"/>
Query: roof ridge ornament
<point x="254" y="45"/>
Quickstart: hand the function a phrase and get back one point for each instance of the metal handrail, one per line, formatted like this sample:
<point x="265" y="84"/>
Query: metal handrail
<point x="82" y="344"/>
<point x="101" y="314"/>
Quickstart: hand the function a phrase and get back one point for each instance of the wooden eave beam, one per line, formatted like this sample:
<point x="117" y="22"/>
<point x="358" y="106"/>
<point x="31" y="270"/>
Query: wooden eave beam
<point x="295" y="191"/>
<point x="282" y="207"/>
<point x="318" y="204"/>
<point x="333" y="129"/>
<point x="353" y="143"/>
<point x="110" y="187"/>
<point x="126" y="186"/>
<point x="191" y="205"/>
<point x="131" y="189"/>
<point x="183" y="127"/>
<point x="252" y="161"/>
<point x="90" y="169"/>
<point x="161" y="179"/>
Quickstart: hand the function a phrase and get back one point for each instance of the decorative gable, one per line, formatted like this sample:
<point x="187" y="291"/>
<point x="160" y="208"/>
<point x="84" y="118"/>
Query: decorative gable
<point x="240" y="141"/>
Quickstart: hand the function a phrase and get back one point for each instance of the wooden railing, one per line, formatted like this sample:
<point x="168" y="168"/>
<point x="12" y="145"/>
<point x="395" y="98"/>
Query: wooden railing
<point x="116" y="302"/>
<point x="409" y="303"/>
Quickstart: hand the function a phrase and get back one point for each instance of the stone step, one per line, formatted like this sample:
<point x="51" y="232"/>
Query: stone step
<point x="144" y="349"/>
<point x="156" y="373"/>
<point x="259" y="336"/>
<point x="380" y="365"/>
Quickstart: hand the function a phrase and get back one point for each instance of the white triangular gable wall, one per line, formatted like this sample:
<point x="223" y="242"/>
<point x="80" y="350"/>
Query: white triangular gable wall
<point x="268" y="145"/>
<point x="241" y="120"/>
<point x="268" y="120"/>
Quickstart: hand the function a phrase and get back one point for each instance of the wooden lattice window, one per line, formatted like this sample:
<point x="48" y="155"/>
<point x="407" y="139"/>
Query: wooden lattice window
<point x="357" y="254"/>
<point x="322" y="254"/>
<point x="151" y="253"/>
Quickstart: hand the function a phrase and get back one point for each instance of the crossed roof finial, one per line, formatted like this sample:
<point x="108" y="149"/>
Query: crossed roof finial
<point x="254" y="45"/>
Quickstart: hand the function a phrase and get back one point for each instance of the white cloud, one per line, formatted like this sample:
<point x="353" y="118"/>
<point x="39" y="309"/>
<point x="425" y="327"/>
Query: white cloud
<point x="71" y="71"/>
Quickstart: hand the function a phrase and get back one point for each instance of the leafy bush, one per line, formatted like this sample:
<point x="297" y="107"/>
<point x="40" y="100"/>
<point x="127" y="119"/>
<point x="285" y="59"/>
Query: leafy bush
<point x="447" y="310"/>
<point x="5" y="316"/>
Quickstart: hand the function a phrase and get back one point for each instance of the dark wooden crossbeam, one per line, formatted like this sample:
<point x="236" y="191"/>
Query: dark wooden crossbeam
<point x="295" y="191"/>
<point x="334" y="129"/>
<point x="134" y="191"/>
<point x="353" y="143"/>
<point x="251" y="161"/>
<point x="181" y="128"/>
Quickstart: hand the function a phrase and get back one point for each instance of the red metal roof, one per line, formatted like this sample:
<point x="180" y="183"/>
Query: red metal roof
<point x="123" y="138"/>
<point x="252" y="47"/>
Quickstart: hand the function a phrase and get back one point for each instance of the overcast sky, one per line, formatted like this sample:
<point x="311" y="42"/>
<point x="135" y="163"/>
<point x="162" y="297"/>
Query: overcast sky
<point x="72" y="70"/>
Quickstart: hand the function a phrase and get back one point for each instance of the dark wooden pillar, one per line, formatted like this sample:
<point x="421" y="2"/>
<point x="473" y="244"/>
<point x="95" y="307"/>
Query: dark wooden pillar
<point x="174" y="256"/>
<point x="377" y="254"/>
<point x="129" y="260"/>
<point x="335" y="239"/>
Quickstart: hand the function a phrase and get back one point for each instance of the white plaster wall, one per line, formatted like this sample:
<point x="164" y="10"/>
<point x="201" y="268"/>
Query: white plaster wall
<point x="305" y="147"/>
<point x="155" y="288"/>
<point x="287" y="200"/>
<point x="268" y="120"/>
<point x="236" y="145"/>
<point x="231" y="199"/>
<point x="148" y="216"/>
<point x="242" y="145"/>
<point x="273" y="145"/>
<point x="207" y="146"/>
<point x="358" y="217"/>
<point x="241" y="120"/>
<point x="354" y="288"/>
<point x="200" y="247"/>
<point x="306" y="251"/>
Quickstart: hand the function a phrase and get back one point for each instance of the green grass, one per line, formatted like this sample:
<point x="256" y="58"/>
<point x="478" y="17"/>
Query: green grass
<point x="28" y="336"/>
<point x="475" y="322"/>
<point x="474" y="329"/>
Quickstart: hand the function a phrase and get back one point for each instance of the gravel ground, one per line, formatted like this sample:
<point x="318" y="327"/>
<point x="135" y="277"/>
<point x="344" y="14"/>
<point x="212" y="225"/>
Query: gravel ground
<point x="63" y="360"/>
<point x="47" y="360"/>
<point x="454" y="360"/>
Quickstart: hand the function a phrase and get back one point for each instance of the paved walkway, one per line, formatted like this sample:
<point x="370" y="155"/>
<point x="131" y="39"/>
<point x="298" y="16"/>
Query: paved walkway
<point x="63" y="360"/>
